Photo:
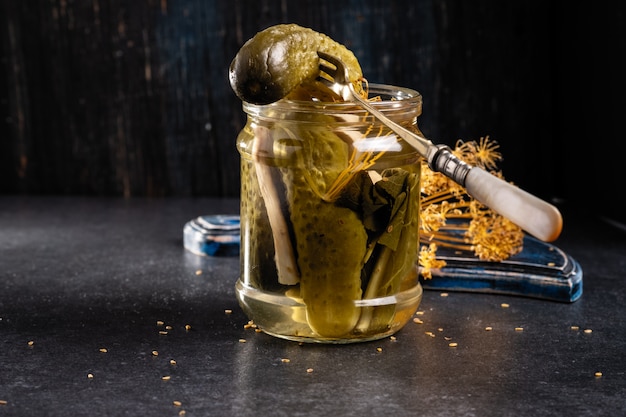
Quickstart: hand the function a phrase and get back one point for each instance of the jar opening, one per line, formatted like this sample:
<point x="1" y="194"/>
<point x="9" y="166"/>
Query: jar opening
<point x="392" y="99"/>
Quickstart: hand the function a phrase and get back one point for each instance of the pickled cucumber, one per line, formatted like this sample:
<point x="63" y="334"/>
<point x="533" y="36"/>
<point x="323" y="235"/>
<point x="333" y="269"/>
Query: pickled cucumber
<point x="280" y="58"/>
<point x="331" y="241"/>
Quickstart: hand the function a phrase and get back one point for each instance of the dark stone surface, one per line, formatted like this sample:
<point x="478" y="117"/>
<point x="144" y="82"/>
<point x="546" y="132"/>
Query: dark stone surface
<point x="82" y="274"/>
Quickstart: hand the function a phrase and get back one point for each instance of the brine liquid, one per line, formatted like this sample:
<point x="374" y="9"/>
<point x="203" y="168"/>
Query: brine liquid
<point x="329" y="224"/>
<point x="284" y="315"/>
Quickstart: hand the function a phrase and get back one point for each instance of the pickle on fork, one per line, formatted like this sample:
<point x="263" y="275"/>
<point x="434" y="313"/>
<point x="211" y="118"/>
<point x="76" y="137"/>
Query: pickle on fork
<point x="281" y="58"/>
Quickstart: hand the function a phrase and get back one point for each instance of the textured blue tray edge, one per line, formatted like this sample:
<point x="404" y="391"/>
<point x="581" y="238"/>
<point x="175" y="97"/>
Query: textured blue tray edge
<point x="216" y="235"/>
<point x="541" y="270"/>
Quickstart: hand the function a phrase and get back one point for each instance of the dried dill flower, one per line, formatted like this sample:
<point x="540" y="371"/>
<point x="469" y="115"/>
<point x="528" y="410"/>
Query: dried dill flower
<point x="428" y="260"/>
<point x="451" y="218"/>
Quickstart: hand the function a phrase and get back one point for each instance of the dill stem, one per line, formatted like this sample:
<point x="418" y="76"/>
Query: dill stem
<point x="435" y="198"/>
<point x="283" y="250"/>
<point x="447" y="244"/>
<point x="442" y="237"/>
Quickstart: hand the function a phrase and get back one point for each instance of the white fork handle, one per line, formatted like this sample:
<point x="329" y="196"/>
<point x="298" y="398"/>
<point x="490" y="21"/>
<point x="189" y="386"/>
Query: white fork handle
<point x="532" y="214"/>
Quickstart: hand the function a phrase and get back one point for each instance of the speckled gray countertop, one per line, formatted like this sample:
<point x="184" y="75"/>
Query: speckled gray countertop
<point x="103" y="313"/>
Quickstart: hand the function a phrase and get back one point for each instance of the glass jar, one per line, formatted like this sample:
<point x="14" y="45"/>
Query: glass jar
<point x="329" y="218"/>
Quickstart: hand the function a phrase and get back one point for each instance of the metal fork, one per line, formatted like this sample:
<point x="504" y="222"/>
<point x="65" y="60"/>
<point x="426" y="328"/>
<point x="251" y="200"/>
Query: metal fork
<point x="529" y="212"/>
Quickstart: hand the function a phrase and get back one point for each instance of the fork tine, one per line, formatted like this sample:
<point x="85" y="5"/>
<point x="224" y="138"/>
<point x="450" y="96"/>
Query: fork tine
<point x="326" y="70"/>
<point x="336" y="75"/>
<point x="329" y="58"/>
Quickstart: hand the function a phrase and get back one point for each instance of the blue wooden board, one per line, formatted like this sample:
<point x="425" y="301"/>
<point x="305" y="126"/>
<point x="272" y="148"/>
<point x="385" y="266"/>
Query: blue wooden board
<point x="541" y="270"/>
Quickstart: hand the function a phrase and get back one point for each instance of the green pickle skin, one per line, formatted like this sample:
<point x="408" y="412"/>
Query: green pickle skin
<point x="330" y="240"/>
<point x="330" y="267"/>
<point x="280" y="58"/>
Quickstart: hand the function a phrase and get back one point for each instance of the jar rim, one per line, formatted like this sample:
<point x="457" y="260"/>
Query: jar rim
<point x="392" y="98"/>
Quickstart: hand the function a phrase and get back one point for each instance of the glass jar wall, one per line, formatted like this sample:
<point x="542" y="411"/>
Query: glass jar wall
<point x="329" y="218"/>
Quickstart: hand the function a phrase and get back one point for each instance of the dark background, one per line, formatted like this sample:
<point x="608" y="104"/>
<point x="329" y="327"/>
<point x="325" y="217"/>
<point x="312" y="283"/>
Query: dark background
<point x="131" y="97"/>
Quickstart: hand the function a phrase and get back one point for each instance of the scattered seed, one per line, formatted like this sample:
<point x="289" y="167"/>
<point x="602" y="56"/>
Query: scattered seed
<point x="551" y="264"/>
<point x="199" y="272"/>
<point x="172" y="362"/>
<point x="418" y="321"/>
<point x="419" y="313"/>
<point x="242" y="340"/>
<point x="587" y="331"/>
<point x="444" y="294"/>
<point x="168" y="327"/>
<point x="177" y="403"/>
<point x="3" y="402"/>
<point x="488" y="328"/>
<point x="285" y="360"/>
<point x="187" y="327"/>
<point x="379" y="349"/>
<point x="431" y="334"/>
<point x="598" y="374"/>
<point x="90" y="376"/>
<point x="504" y="305"/>
<point x="160" y="323"/>
<point x="575" y="327"/>
<point x="440" y="329"/>
<point x="447" y="338"/>
<point x="155" y="353"/>
<point x="228" y="311"/>
<point x="519" y="329"/>
<point x="31" y="342"/>
<point x="166" y="378"/>
<point x="309" y="370"/>
<point x="182" y="412"/>
<point x="257" y="330"/>
<point x="392" y="338"/>
<point x="104" y="350"/>
<point x="453" y="344"/>
<point x="162" y="332"/>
